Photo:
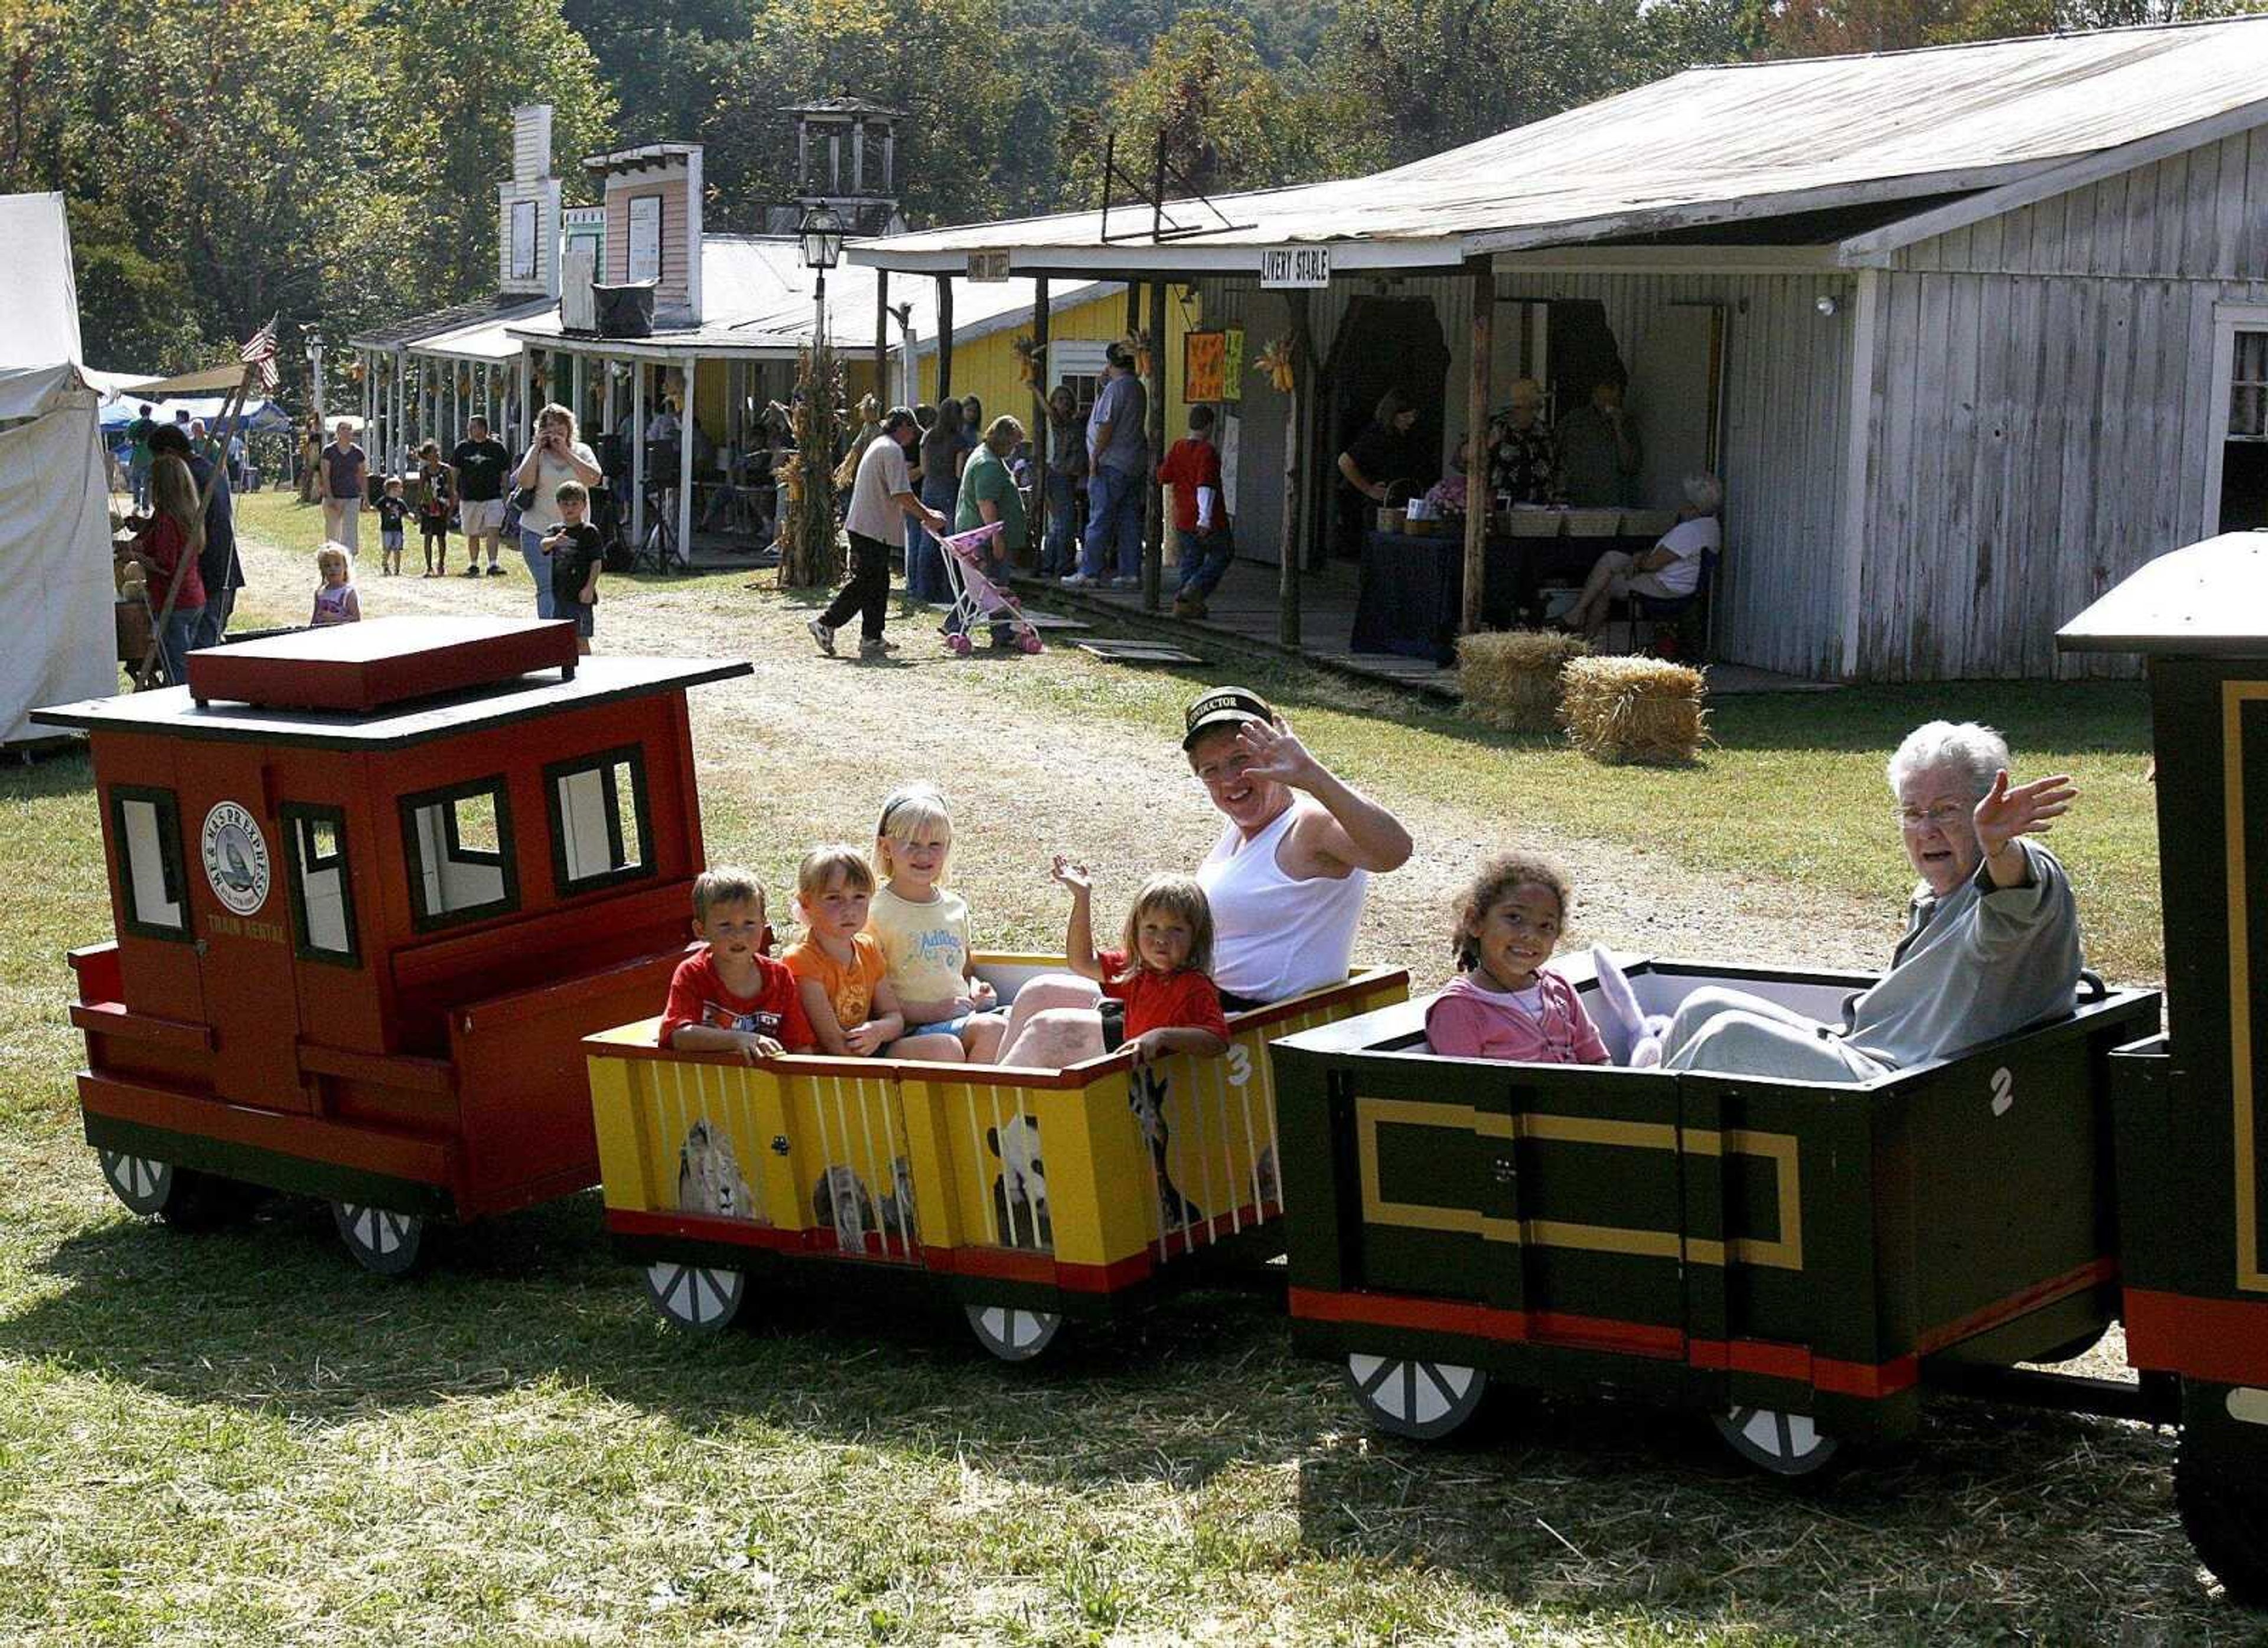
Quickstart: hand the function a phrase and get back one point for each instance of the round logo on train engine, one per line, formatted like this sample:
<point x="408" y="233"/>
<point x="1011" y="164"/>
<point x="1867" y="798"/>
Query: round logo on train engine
<point x="236" y="859"/>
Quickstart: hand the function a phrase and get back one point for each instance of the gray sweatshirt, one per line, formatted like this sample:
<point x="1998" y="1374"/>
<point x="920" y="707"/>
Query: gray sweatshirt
<point x="1980" y="962"/>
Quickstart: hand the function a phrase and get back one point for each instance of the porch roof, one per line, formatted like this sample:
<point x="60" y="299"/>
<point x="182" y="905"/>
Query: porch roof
<point x="1709" y="146"/>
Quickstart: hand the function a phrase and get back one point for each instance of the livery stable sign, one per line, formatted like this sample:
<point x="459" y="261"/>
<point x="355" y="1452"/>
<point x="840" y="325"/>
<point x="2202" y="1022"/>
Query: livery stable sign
<point x="1295" y="266"/>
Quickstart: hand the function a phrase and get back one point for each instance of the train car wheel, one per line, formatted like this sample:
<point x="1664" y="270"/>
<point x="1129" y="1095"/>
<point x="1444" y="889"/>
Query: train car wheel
<point x="2226" y="1517"/>
<point x="143" y="1185"/>
<point x="383" y="1242"/>
<point x="1785" y="1443"/>
<point x="1424" y="1400"/>
<point x="1013" y="1334"/>
<point x="700" y="1299"/>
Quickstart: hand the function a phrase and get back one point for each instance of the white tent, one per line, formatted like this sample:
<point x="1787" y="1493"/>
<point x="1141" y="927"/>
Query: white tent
<point x="55" y="591"/>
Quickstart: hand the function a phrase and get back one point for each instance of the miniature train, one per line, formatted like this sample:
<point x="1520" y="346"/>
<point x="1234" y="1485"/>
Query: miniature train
<point x="1799" y="1262"/>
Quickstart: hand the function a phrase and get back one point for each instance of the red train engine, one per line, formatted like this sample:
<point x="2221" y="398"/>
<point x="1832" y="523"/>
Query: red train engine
<point x="372" y="886"/>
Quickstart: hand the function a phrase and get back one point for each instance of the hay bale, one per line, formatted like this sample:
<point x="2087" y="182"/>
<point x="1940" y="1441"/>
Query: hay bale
<point x="1509" y="678"/>
<point x="1635" y="710"/>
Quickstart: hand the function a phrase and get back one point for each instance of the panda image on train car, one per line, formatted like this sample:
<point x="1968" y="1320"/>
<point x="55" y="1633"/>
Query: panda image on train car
<point x="1019" y="1190"/>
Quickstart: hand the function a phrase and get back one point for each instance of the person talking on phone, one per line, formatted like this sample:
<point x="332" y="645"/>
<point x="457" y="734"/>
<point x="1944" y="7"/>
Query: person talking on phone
<point x="556" y="456"/>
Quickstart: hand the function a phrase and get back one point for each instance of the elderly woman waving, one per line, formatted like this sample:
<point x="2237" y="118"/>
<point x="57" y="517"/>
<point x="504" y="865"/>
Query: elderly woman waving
<point x="1991" y="940"/>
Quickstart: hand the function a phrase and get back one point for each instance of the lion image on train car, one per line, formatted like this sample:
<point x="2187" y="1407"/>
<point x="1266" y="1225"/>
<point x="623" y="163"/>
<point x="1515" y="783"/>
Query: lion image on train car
<point x="370" y="886"/>
<point x="1043" y="1194"/>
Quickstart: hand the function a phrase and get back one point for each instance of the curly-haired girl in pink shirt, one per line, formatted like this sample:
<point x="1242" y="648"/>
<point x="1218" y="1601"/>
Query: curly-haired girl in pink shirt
<point x="1505" y="1004"/>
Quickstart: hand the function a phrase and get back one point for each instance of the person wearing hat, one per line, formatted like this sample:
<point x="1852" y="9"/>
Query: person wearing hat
<point x="1286" y="880"/>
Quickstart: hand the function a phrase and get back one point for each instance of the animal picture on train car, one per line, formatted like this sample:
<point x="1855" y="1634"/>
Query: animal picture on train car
<point x="839" y="1203"/>
<point x="1020" y="1190"/>
<point x="1149" y="1091"/>
<point x="709" y="1177"/>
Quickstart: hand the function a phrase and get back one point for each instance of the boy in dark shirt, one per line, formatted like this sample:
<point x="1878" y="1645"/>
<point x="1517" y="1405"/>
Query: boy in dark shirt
<point x="576" y="550"/>
<point x="393" y="510"/>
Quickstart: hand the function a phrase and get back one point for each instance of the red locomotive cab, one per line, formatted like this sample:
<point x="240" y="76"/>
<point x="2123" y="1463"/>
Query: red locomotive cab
<point x="370" y="885"/>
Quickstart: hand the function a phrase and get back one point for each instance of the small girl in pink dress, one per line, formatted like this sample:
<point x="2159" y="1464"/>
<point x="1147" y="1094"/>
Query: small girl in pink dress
<point x="1505" y="1004"/>
<point x="336" y="600"/>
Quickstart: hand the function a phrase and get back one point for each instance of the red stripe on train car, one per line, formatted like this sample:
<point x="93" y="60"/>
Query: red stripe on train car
<point x="2075" y="1280"/>
<point x="1482" y="1321"/>
<point x="2224" y="1341"/>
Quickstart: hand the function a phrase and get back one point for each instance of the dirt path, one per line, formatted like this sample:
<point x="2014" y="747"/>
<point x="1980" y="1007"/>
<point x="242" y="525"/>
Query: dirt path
<point x="803" y="750"/>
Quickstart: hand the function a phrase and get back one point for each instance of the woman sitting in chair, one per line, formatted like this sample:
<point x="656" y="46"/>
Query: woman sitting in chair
<point x="1671" y="571"/>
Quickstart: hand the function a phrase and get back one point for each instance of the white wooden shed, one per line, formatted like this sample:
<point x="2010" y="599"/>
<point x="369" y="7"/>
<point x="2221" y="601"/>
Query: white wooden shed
<point x="1984" y="327"/>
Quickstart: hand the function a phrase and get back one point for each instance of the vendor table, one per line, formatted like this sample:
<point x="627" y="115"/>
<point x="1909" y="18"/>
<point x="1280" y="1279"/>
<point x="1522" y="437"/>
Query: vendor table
<point x="1412" y="595"/>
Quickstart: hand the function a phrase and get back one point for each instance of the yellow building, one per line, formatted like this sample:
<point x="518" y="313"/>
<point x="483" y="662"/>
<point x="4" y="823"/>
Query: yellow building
<point x="1085" y="320"/>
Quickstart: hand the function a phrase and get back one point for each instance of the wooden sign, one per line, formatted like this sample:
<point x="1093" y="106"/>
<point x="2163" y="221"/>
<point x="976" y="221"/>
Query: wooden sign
<point x="1295" y="266"/>
<point x="988" y="265"/>
<point x="1213" y="366"/>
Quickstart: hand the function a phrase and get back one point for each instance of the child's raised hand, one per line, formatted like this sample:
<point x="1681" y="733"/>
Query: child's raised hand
<point x="864" y="1039"/>
<point x="1071" y="875"/>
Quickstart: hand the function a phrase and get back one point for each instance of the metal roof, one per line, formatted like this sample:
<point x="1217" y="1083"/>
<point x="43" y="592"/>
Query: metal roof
<point x="1709" y="145"/>
<point x="434" y="323"/>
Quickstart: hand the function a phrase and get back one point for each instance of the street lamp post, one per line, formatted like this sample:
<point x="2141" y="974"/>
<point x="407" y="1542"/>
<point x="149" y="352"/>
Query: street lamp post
<point x="315" y="370"/>
<point x="821" y="233"/>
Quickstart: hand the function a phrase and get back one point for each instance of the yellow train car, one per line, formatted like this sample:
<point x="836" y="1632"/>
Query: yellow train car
<point x="1025" y="1196"/>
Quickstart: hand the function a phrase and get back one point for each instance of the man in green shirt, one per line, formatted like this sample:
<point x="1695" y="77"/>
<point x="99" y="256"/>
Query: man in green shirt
<point x="988" y="494"/>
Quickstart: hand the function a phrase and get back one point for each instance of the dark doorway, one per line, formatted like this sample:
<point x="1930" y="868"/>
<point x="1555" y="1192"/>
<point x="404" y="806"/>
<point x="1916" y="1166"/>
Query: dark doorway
<point x="1382" y="344"/>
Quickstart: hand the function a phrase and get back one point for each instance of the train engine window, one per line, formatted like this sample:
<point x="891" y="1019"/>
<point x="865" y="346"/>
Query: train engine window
<point x="601" y="830"/>
<point x="322" y="897"/>
<point x="458" y="844"/>
<point x="148" y="825"/>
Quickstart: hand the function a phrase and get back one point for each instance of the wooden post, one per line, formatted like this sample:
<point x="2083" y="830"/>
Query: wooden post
<point x="882" y="338"/>
<point x="1153" y="516"/>
<point x="1476" y="410"/>
<point x="638" y="453"/>
<point x="685" y="465"/>
<point x="1042" y="431"/>
<point x="944" y="338"/>
<point x="1295" y="467"/>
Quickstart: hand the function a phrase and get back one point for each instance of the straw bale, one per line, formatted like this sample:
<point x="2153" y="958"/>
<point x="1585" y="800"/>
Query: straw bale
<point x="1511" y="678"/>
<point x="1635" y="710"/>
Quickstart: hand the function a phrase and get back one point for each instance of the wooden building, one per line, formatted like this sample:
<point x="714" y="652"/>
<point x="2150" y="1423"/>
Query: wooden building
<point x="1969" y="333"/>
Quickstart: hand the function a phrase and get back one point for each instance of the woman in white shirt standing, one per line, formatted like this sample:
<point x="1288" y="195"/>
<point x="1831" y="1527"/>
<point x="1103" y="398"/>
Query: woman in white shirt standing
<point x="1671" y="568"/>
<point x="556" y="456"/>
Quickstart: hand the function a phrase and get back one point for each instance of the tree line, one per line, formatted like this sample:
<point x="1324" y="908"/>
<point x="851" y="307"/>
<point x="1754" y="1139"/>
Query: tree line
<point x="335" y="161"/>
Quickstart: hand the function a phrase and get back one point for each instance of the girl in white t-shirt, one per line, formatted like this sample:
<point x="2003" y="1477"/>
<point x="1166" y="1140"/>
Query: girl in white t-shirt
<point x="923" y="928"/>
<point x="1668" y="571"/>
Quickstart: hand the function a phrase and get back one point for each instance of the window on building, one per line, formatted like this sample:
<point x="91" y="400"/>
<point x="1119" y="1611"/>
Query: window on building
<point x="147" y="824"/>
<point x="459" y="843"/>
<point x="322" y="895"/>
<point x="601" y="832"/>
<point x="2244" y="455"/>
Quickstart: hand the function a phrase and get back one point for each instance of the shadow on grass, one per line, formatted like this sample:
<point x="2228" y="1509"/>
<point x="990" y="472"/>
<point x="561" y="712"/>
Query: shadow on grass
<point x="62" y="769"/>
<point x="2000" y="1525"/>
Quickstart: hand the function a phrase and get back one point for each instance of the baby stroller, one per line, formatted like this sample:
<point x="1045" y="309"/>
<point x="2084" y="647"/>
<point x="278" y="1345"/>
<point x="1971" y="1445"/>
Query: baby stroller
<point x="977" y="598"/>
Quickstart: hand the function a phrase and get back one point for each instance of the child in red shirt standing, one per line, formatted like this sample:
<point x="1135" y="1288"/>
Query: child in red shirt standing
<point x="1192" y="469"/>
<point x="1505" y="1004"/>
<point x="732" y="997"/>
<point x="1161" y="969"/>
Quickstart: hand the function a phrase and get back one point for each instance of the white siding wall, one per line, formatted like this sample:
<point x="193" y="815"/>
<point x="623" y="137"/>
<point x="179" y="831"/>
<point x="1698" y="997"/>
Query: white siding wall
<point x="1787" y="396"/>
<point x="2043" y="405"/>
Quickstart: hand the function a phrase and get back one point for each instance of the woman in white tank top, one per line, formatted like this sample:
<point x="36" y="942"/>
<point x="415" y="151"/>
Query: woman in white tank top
<point x="1286" y="880"/>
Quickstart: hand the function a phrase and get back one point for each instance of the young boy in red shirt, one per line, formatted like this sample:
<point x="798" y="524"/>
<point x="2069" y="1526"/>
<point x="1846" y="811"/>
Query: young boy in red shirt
<point x="732" y="997"/>
<point x="1192" y="469"/>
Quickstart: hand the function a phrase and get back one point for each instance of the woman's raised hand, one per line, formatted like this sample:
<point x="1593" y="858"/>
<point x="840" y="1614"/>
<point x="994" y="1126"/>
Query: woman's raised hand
<point x="1274" y="751"/>
<point x="2007" y="812"/>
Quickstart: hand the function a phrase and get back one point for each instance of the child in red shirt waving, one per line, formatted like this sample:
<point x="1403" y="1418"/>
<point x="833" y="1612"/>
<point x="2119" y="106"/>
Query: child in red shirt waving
<point x="1159" y="972"/>
<point x="732" y="997"/>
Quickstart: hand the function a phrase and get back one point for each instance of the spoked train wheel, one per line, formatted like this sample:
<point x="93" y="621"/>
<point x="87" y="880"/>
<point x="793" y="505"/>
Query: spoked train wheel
<point x="2225" y="1513"/>
<point x="1424" y="1400"/>
<point x="1012" y="1333"/>
<point x="1783" y="1443"/>
<point x="143" y="1185"/>
<point x="701" y="1299"/>
<point x="383" y="1242"/>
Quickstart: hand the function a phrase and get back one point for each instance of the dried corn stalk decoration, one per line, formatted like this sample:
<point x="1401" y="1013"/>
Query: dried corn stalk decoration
<point x="1138" y="341"/>
<point x="1276" y="361"/>
<point x="1030" y="357"/>
<point x="811" y="552"/>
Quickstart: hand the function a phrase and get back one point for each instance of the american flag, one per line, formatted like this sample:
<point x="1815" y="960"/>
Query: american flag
<point x="260" y="351"/>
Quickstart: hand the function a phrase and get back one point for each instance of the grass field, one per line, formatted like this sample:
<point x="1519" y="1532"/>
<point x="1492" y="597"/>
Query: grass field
<point x="238" y="1438"/>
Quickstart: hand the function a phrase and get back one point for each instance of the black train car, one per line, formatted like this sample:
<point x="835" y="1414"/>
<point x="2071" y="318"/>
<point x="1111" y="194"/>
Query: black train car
<point x="2187" y="1106"/>
<point x="1804" y="1262"/>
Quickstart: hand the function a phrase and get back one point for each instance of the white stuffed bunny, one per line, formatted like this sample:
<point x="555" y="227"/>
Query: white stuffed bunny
<point x="1634" y="1036"/>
